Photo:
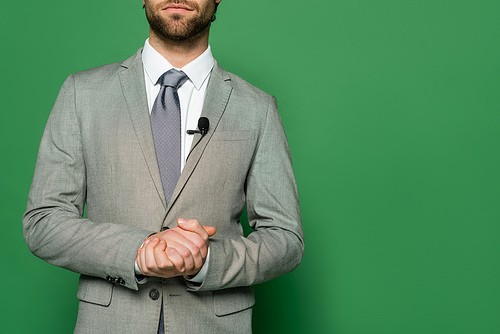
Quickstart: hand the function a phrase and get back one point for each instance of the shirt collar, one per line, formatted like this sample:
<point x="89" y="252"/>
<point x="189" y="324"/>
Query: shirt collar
<point x="197" y="70"/>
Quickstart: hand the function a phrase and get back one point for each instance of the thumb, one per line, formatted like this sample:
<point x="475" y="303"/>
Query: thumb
<point x="194" y="226"/>
<point x="189" y="224"/>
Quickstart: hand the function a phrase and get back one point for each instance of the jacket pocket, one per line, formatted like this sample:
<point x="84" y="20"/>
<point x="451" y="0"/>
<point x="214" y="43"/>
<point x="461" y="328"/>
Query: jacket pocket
<point x="233" y="300"/>
<point x="94" y="290"/>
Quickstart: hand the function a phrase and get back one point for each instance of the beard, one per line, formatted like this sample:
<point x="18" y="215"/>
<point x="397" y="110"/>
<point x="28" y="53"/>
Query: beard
<point x="177" y="27"/>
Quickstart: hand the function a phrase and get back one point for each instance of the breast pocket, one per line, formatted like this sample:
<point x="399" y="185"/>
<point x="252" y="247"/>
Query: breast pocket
<point x="225" y="161"/>
<point x="233" y="135"/>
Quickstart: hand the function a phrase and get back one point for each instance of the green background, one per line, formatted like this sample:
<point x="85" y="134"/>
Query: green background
<point x="392" y="110"/>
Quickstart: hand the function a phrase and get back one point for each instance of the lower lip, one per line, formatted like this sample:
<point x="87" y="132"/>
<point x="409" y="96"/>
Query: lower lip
<point x="177" y="10"/>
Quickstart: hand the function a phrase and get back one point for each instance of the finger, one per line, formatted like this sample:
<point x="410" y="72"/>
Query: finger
<point x="197" y="256"/>
<point x="176" y="259"/>
<point x="189" y="245"/>
<point x="192" y="225"/>
<point x="194" y="242"/>
<point x="149" y="258"/>
<point x="188" y="261"/>
<point x="210" y="230"/>
<point x="162" y="261"/>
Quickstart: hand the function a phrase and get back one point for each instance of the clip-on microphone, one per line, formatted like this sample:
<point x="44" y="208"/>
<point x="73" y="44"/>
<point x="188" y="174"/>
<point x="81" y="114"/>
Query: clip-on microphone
<point x="203" y="125"/>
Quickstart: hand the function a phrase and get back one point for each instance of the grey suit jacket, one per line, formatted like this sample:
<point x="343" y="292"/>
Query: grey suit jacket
<point x="97" y="153"/>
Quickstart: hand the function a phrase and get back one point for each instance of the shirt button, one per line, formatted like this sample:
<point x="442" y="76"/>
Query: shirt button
<point x="154" y="294"/>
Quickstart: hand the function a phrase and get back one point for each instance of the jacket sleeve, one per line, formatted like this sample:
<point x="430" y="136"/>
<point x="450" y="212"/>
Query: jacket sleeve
<point x="277" y="244"/>
<point x="54" y="227"/>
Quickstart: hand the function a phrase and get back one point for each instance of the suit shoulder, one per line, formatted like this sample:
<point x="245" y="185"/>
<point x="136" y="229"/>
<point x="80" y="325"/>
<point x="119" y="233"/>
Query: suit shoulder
<point x="242" y="86"/>
<point x="106" y="73"/>
<point x="98" y="74"/>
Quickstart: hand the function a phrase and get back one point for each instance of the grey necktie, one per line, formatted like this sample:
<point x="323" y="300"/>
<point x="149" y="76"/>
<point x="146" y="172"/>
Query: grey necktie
<point x="166" y="127"/>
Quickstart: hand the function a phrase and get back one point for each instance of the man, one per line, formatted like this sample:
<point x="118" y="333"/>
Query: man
<point x="161" y="251"/>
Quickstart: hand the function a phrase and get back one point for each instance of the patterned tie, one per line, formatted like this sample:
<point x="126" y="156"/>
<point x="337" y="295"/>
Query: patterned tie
<point x="166" y="127"/>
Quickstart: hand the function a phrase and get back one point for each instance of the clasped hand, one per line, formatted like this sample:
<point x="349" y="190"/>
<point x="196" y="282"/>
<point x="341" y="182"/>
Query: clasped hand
<point x="177" y="251"/>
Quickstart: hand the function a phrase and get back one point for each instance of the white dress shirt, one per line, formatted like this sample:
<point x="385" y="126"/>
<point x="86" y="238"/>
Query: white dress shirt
<point x="191" y="93"/>
<point x="191" y="98"/>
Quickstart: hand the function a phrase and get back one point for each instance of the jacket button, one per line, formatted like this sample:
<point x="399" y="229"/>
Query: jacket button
<point x="110" y="279"/>
<point x="154" y="294"/>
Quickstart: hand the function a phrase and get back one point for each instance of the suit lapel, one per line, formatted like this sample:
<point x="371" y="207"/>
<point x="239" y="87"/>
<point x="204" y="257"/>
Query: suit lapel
<point x="218" y="91"/>
<point x="134" y="90"/>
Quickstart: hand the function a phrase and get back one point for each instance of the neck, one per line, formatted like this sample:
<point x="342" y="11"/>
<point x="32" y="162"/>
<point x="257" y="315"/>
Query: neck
<point x="179" y="53"/>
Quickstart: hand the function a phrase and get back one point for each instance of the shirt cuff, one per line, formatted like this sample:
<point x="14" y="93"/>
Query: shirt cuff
<point x="137" y="271"/>
<point x="200" y="276"/>
<point x="139" y="276"/>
